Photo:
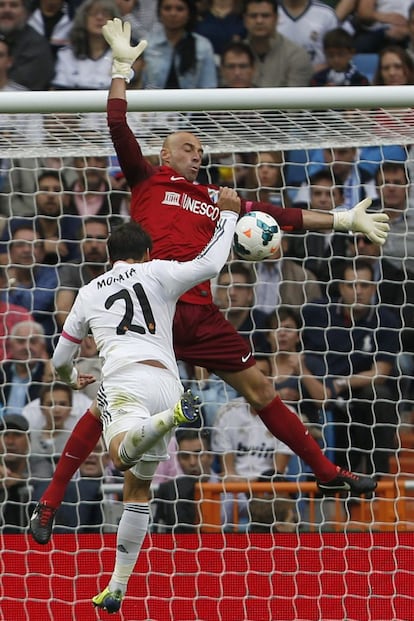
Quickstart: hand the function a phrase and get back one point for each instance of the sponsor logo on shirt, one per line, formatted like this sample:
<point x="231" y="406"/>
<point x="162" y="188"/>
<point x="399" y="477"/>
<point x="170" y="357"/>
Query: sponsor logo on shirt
<point x="178" y="199"/>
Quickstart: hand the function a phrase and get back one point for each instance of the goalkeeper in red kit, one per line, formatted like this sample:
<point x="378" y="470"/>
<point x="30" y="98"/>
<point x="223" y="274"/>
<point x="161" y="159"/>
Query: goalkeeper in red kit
<point x="181" y="215"/>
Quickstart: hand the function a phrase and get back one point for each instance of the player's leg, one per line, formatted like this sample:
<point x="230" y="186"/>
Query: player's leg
<point x="287" y="426"/>
<point x="203" y="336"/>
<point x="81" y="442"/>
<point x="133" y="525"/>
<point x="129" y="447"/>
<point x="131" y="532"/>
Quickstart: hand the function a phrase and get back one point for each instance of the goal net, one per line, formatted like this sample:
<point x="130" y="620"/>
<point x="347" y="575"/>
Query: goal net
<point x="265" y="550"/>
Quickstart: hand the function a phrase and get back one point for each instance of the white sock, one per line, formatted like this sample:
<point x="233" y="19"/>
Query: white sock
<point x="144" y="435"/>
<point x="132" y="529"/>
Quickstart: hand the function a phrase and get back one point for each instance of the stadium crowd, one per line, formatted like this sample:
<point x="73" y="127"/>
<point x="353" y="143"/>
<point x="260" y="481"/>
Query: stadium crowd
<point x="331" y="317"/>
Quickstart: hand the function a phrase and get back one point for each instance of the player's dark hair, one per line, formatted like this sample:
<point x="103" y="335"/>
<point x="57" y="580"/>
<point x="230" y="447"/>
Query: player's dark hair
<point x="128" y="241"/>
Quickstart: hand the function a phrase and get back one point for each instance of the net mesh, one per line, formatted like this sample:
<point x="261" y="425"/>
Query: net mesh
<point x="322" y="568"/>
<point x="69" y="134"/>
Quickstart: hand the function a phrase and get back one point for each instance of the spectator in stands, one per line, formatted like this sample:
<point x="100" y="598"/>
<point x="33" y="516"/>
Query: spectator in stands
<point x="355" y="180"/>
<point x="345" y="12"/>
<point x="237" y="66"/>
<point x="132" y="12"/>
<point x="18" y="176"/>
<point x="410" y="46"/>
<point x="92" y="194"/>
<point x="86" y="62"/>
<point x="56" y="403"/>
<point x="318" y="251"/>
<point x="338" y="46"/>
<point x="381" y="23"/>
<point x="59" y="232"/>
<point x="266" y="180"/>
<point x="279" y="61"/>
<point x="28" y="367"/>
<point x="13" y="128"/>
<point x="52" y="20"/>
<point x="395" y="67"/>
<point x="246" y="450"/>
<point x="281" y="280"/>
<point x="354" y="345"/>
<point x="93" y="262"/>
<point x="82" y="510"/>
<point x="10" y="314"/>
<point x="19" y="469"/>
<point x="221" y="23"/>
<point x="395" y="288"/>
<point x="34" y="282"/>
<point x="6" y="61"/>
<point x="392" y="184"/>
<point x="306" y="22"/>
<point x="272" y="515"/>
<point x="141" y="14"/>
<point x="235" y="296"/>
<point x="32" y="411"/>
<point x="33" y="63"/>
<point x="177" y="56"/>
<point x="175" y="507"/>
<point x="300" y="388"/>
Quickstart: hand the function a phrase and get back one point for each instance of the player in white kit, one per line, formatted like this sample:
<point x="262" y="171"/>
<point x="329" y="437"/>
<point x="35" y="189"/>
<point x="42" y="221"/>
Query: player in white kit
<point x="130" y="311"/>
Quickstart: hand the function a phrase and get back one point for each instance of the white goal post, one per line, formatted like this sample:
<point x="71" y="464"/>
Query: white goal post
<point x="74" y="123"/>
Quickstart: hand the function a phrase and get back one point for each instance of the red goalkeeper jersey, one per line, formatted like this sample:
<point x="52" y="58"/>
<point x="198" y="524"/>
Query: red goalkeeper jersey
<point x="179" y="215"/>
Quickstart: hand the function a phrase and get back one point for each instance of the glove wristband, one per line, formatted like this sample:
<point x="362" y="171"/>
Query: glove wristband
<point x="122" y="70"/>
<point x="342" y="220"/>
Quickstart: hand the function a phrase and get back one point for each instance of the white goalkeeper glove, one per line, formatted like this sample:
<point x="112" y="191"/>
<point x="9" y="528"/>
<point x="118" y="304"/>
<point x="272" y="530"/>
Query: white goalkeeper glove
<point x="118" y="36"/>
<point x="374" y="225"/>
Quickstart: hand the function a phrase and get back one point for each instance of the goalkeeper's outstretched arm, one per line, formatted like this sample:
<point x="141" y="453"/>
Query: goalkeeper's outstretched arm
<point x="356" y="220"/>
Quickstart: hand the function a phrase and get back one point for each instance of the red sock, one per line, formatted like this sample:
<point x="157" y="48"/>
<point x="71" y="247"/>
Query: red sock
<point x="81" y="442"/>
<point x="287" y="426"/>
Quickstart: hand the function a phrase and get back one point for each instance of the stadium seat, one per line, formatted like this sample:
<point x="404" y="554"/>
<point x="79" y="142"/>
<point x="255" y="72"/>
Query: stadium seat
<point x="366" y="64"/>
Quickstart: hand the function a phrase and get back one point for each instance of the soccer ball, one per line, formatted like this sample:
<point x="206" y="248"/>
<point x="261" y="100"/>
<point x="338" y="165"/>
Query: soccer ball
<point x="257" y="236"/>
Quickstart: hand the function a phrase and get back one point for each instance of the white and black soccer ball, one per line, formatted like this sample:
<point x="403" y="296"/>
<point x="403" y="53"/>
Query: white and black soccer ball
<point x="257" y="236"/>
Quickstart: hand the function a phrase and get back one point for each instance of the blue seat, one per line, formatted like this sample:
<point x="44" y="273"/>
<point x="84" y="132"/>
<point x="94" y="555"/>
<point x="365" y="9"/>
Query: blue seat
<point x="366" y="64"/>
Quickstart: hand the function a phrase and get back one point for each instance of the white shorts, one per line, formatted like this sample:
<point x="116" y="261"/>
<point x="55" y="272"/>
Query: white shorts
<point x="134" y="393"/>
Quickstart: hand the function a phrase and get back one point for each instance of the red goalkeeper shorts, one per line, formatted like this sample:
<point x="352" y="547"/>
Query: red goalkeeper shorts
<point x="203" y="337"/>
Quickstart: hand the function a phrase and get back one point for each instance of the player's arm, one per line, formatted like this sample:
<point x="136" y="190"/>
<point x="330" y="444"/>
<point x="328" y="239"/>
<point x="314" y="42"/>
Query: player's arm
<point x="118" y="35"/>
<point x="74" y="329"/>
<point x="357" y="220"/>
<point x="179" y="277"/>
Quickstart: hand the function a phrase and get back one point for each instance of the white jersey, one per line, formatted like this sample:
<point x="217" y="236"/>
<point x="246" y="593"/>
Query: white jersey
<point x="82" y="73"/>
<point x="389" y="6"/>
<point x="130" y="308"/>
<point x="309" y="28"/>
<point x="239" y="431"/>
